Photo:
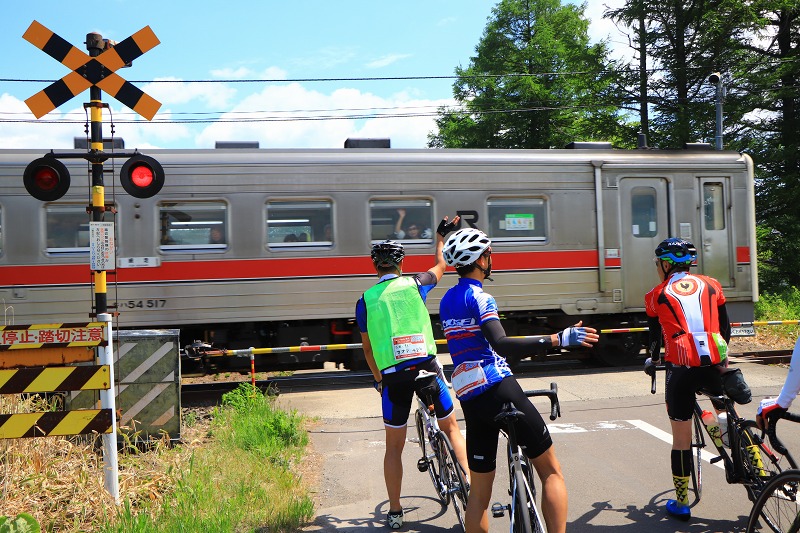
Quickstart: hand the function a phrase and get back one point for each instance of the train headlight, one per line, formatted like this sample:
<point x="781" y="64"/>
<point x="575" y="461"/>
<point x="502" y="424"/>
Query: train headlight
<point x="46" y="179"/>
<point x="142" y="176"/>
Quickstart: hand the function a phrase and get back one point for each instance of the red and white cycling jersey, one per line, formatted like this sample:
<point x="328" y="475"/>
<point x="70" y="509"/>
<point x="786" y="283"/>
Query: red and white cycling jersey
<point x="687" y="308"/>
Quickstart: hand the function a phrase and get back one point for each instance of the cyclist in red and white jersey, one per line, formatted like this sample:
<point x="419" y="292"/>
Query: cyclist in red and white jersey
<point x="688" y="312"/>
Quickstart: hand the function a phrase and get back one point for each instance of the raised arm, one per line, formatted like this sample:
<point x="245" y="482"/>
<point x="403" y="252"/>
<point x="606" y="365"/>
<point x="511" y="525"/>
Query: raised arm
<point x="444" y="228"/>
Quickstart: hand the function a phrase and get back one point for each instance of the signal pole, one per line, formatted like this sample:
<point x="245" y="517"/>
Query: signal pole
<point x="95" y="45"/>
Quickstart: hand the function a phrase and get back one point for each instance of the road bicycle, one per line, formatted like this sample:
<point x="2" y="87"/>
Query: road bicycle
<point x="522" y="510"/>
<point x="438" y="457"/>
<point x="777" y="506"/>
<point x="746" y="457"/>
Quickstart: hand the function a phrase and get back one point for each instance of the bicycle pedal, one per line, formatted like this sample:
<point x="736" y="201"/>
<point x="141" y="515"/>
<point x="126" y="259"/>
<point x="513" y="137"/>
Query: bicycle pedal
<point x="716" y="459"/>
<point x="498" y="510"/>
<point x="422" y="465"/>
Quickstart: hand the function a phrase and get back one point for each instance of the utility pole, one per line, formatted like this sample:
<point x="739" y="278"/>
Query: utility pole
<point x="716" y="80"/>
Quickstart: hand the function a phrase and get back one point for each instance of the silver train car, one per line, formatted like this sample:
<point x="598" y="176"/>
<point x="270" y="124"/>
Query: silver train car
<point x="263" y="248"/>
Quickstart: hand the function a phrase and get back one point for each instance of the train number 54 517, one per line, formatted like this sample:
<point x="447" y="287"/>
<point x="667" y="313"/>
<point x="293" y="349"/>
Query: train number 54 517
<point x="144" y="304"/>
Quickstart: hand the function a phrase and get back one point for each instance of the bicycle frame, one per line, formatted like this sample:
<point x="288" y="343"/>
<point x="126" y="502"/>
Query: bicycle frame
<point x="735" y="456"/>
<point x="447" y="475"/>
<point x="521" y="480"/>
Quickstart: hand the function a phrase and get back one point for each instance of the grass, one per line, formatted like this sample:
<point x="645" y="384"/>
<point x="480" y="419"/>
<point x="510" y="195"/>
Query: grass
<point x="783" y="306"/>
<point x="237" y="472"/>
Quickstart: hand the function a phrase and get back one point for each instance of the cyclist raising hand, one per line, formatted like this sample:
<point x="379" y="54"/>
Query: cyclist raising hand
<point x="398" y="342"/>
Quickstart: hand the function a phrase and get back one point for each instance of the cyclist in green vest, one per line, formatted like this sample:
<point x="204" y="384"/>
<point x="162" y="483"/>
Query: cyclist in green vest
<point x="398" y="342"/>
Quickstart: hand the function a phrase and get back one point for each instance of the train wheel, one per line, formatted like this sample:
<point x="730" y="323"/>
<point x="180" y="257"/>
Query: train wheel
<point x="619" y="349"/>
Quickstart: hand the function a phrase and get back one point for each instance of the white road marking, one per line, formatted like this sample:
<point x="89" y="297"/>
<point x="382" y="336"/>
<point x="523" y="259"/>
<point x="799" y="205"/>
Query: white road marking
<point x="614" y="425"/>
<point x="667" y="437"/>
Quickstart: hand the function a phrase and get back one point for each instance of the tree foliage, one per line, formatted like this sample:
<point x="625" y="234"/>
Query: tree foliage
<point x="535" y="82"/>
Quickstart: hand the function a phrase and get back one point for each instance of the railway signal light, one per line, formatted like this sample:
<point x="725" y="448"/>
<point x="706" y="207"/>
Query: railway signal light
<point x="142" y="176"/>
<point x="46" y="179"/>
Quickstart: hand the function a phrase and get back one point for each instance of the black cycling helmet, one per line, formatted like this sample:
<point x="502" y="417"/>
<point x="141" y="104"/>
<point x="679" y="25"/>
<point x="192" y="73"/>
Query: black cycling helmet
<point x="676" y="251"/>
<point x="387" y="254"/>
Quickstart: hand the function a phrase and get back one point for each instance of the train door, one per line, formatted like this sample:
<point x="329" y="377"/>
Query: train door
<point x="714" y="248"/>
<point x="644" y="219"/>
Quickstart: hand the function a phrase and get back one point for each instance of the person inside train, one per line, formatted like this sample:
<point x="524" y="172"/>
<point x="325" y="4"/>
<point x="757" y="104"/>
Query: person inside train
<point x="411" y="231"/>
<point x="688" y="312"/>
<point x="483" y="381"/>
<point x="290" y="237"/>
<point x="215" y="236"/>
<point x="397" y="339"/>
<point x="772" y="408"/>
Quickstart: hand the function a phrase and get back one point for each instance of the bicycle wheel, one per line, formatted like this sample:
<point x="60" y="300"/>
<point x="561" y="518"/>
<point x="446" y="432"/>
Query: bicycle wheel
<point x="758" y="460"/>
<point x="428" y="452"/>
<point x="520" y="511"/>
<point x="698" y="443"/>
<point x="537" y="522"/>
<point x="777" y="506"/>
<point x="454" y="479"/>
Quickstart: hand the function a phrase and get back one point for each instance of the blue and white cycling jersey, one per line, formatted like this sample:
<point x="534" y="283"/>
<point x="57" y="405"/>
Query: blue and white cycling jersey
<point x="477" y="366"/>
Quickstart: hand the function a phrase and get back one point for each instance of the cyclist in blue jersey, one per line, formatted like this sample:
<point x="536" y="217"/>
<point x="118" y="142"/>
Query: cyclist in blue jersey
<point x="483" y="382"/>
<point x="398" y="342"/>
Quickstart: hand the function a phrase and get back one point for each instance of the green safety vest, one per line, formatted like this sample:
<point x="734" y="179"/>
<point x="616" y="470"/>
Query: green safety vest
<point x="398" y="322"/>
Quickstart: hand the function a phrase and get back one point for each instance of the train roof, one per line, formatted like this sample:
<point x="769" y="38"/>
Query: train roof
<point x="350" y="156"/>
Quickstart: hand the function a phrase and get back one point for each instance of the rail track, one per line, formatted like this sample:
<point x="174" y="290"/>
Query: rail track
<point x="210" y="392"/>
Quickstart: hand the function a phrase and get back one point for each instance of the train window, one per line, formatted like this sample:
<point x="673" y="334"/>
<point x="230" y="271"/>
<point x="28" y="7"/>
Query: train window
<point x="299" y="223"/>
<point x="644" y="219"/>
<point x="714" y="206"/>
<point x="1" y="230"/>
<point x="67" y="228"/>
<point x="408" y="220"/>
<point x="517" y="219"/>
<point x="196" y="226"/>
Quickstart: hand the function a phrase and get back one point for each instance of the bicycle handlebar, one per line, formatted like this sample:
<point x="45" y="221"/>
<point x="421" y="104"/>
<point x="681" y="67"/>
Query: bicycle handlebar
<point x="651" y="371"/>
<point x="773" y="437"/>
<point x="552" y="393"/>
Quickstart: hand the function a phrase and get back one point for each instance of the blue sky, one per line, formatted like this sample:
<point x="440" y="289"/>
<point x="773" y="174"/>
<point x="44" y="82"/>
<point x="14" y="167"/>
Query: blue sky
<point x="250" y="39"/>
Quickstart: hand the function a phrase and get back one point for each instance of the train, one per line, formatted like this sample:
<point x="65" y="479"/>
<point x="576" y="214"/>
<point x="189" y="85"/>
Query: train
<point x="255" y="247"/>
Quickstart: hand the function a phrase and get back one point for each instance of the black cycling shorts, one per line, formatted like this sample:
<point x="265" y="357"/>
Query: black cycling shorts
<point x="483" y="432"/>
<point x="682" y="384"/>
<point x="398" y="394"/>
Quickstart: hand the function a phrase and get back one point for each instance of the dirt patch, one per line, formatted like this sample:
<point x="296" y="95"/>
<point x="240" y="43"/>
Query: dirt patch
<point x="767" y="338"/>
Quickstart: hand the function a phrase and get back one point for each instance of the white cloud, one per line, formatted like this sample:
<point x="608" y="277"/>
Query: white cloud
<point x="325" y="58"/>
<point x="232" y="73"/>
<point x="602" y="29"/>
<point x="283" y="101"/>
<point x="216" y="96"/>
<point x="386" y="60"/>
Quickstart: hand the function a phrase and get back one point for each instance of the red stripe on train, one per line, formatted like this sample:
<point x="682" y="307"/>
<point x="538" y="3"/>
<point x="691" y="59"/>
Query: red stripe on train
<point x="284" y="268"/>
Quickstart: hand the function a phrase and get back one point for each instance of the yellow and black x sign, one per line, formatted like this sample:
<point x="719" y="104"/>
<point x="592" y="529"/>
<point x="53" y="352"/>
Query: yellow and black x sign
<point x="88" y="71"/>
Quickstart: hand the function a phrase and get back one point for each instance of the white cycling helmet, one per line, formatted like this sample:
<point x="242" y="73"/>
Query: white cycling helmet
<point x="465" y="246"/>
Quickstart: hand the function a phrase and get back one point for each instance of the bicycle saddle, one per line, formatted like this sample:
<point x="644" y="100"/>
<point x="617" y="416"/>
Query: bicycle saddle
<point x="508" y="414"/>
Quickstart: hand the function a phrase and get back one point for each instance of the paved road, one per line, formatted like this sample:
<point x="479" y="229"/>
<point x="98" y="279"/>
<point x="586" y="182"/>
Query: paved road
<point x="612" y="440"/>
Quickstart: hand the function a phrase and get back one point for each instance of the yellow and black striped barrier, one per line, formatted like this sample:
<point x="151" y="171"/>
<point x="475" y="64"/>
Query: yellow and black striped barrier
<point x="55" y="423"/>
<point x="21" y="372"/>
<point x="58" y="379"/>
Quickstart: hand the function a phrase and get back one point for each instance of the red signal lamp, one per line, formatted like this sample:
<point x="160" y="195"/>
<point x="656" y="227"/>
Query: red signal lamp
<point x="142" y="176"/>
<point x="46" y="179"/>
